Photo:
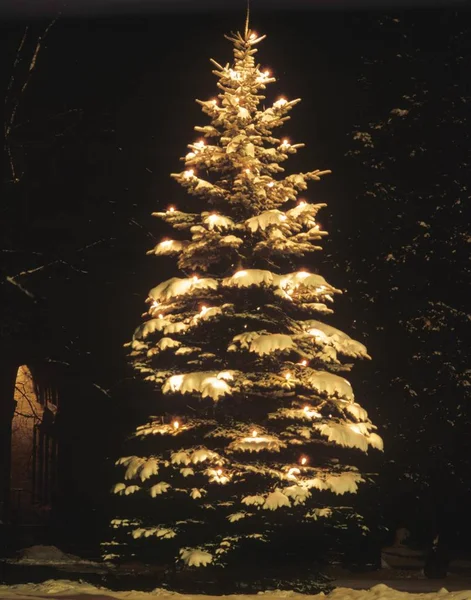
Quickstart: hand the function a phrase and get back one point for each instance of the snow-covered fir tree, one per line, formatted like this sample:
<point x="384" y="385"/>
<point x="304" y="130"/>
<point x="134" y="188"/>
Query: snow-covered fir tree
<point x="254" y="424"/>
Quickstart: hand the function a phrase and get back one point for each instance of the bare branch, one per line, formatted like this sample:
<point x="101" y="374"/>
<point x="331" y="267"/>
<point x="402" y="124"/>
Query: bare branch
<point x="10" y="117"/>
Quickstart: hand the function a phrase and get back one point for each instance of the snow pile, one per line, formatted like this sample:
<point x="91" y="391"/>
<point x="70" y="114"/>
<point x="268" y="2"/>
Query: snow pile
<point x="330" y="384"/>
<point x="69" y="589"/>
<point x="262" y="343"/>
<point x="48" y="555"/>
<point x="337" y="339"/>
<point x="210" y="384"/>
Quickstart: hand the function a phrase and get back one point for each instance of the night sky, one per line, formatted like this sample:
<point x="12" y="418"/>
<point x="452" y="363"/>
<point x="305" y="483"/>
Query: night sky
<point x="107" y="113"/>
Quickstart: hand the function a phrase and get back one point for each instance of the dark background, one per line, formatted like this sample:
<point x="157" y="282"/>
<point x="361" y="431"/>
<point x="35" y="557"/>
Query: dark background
<point x="105" y="116"/>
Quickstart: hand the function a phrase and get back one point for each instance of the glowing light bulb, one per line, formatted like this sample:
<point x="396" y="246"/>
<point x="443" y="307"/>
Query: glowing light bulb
<point x="155" y="304"/>
<point x="266" y="73"/>
<point x="237" y="99"/>
<point x="189" y="173"/>
<point x="248" y="171"/>
<point x="271" y="184"/>
<point x="283" y="218"/>
<point x="288" y="376"/>
<point x="214" y="101"/>
<point x="203" y="309"/>
<point x="219" y="472"/>
<point x="176" y="424"/>
<point x="171" y="209"/>
<point x="303" y="274"/>
<point x="254" y="433"/>
<point x="306" y="409"/>
<point x="195" y="278"/>
<point x="253" y="36"/>
<point x="199" y="144"/>
<point x="280" y="102"/>
<point x="166" y="243"/>
<point x="303" y="460"/>
<point x="190" y="155"/>
<point x="302" y="203"/>
<point x="285" y="142"/>
<point x="161" y="316"/>
<point x="303" y="363"/>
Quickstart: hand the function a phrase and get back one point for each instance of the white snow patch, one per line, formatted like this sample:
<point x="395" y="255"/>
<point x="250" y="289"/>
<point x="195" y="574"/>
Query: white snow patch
<point x="265" y="219"/>
<point x="335" y="338"/>
<point x="48" y="555"/>
<point x="331" y="384"/>
<point x="343" y="435"/>
<point x="179" y="287"/>
<point x="194" y="557"/>
<point x="64" y="588"/>
<point x="275" y="500"/>
<point x="208" y="384"/>
<point x="263" y="343"/>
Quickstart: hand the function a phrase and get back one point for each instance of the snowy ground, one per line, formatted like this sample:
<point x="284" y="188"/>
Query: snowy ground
<point x="385" y="584"/>
<point x="83" y="591"/>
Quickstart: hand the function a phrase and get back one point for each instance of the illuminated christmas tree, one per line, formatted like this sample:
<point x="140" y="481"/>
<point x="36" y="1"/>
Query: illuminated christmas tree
<point x="253" y="420"/>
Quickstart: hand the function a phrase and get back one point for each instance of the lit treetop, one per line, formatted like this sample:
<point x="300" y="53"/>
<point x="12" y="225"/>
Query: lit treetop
<point x="253" y="412"/>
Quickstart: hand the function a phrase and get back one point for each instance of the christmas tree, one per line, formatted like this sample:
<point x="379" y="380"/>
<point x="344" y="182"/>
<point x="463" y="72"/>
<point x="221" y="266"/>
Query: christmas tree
<point x="253" y="422"/>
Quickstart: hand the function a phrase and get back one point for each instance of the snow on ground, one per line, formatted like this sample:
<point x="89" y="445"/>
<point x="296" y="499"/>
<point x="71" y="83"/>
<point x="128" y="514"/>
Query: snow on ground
<point x="48" y="555"/>
<point x="51" y="556"/>
<point x="64" y="589"/>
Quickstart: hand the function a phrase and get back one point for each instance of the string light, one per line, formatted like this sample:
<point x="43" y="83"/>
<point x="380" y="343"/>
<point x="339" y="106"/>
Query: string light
<point x="253" y="36"/>
<point x="303" y="274"/>
<point x="214" y="101"/>
<point x="204" y="308"/>
<point x="248" y="171"/>
<point x="219" y="472"/>
<point x="271" y="184"/>
<point x="302" y="203"/>
<point x="171" y="209"/>
<point x="161" y="316"/>
<point x="303" y="363"/>
<point x="189" y="173"/>
<point x="166" y="243"/>
<point x="266" y="73"/>
<point x="190" y="155"/>
<point x="306" y="409"/>
<point x="155" y="304"/>
<point x="199" y="144"/>
<point x="280" y="102"/>
<point x="303" y="460"/>
<point x="176" y="424"/>
<point x="288" y="376"/>
<point x="254" y="433"/>
<point x="285" y="142"/>
<point x="195" y="278"/>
